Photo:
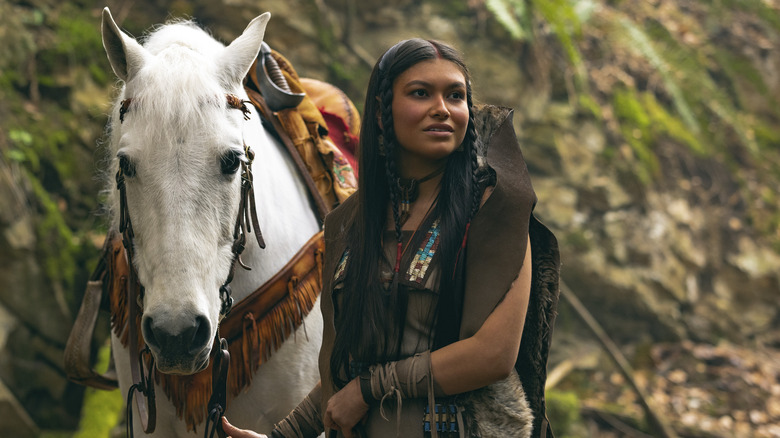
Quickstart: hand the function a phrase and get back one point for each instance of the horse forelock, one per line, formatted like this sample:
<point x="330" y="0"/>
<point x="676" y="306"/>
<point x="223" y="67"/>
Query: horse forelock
<point x="181" y="86"/>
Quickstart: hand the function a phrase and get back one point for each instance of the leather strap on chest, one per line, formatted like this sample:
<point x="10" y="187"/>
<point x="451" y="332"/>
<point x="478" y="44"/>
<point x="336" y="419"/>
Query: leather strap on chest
<point x="305" y="268"/>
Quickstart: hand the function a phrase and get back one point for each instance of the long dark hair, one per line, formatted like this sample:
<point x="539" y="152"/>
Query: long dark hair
<point x="367" y="314"/>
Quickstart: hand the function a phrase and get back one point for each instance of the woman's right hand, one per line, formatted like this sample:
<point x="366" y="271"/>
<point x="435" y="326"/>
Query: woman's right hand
<point x="234" y="432"/>
<point x="345" y="409"/>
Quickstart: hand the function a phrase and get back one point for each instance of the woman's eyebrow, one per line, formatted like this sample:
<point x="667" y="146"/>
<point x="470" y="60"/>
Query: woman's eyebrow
<point x="422" y="83"/>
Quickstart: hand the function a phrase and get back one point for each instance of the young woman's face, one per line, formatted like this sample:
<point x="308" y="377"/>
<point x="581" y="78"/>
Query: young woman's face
<point x="430" y="115"/>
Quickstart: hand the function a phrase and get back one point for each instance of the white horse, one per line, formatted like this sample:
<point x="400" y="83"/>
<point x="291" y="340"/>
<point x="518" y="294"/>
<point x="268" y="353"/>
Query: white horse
<point x="179" y="145"/>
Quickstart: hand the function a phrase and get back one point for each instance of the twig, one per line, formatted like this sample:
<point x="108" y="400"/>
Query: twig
<point x="349" y="27"/>
<point x="558" y="373"/>
<point x="659" y="426"/>
<point x="616" y="423"/>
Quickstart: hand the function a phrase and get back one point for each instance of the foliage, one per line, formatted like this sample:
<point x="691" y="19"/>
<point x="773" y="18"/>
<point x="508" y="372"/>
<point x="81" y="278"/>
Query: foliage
<point x="102" y="409"/>
<point x="563" y="411"/>
<point x="61" y="43"/>
<point x="78" y="40"/>
<point x="567" y="27"/>
<point x="683" y="84"/>
<point x="55" y="239"/>
<point x="18" y="41"/>
<point x="629" y="34"/>
<point x="514" y="16"/>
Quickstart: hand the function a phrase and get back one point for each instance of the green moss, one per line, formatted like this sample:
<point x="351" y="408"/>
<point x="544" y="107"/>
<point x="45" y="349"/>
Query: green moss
<point x="635" y="38"/>
<point x="340" y="72"/>
<point x="513" y="16"/>
<point x="635" y="124"/>
<point x="587" y="103"/>
<point x="77" y="36"/>
<point x="629" y="108"/>
<point x="689" y="79"/>
<point x="55" y="239"/>
<point x="767" y="136"/>
<point x="102" y="410"/>
<point x="22" y="150"/>
<point x="563" y="411"/>
<point x="577" y="241"/>
<point x="567" y="27"/>
<point x="452" y="10"/>
<point x="644" y="121"/>
<point x="664" y="123"/>
<point x="738" y="68"/>
<point x="759" y="8"/>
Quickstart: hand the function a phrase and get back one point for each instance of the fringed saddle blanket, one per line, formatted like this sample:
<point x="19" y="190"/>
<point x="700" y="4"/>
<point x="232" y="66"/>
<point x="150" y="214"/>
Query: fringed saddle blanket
<point x="254" y="328"/>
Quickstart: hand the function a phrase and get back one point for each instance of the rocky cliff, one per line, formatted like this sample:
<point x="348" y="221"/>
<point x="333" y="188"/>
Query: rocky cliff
<point x="651" y="132"/>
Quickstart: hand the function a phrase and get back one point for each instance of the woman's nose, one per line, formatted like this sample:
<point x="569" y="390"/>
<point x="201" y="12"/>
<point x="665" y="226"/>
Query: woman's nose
<point x="439" y="108"/>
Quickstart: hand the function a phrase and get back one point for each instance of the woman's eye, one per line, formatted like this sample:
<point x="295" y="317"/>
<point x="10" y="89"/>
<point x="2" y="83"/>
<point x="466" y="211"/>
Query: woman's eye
<point x="419" y="93"/>
<point x="127" y="166"/>
<point x="457" y="95"/>
<point x="229" y="162"/>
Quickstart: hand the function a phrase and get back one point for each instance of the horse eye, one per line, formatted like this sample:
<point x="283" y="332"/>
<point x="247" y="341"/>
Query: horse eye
<point x="229" y="162"/>
<point x="127" y="166"/>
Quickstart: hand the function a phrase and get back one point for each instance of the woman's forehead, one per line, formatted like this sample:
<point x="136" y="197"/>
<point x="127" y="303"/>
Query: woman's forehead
<point x="433" y="71"/>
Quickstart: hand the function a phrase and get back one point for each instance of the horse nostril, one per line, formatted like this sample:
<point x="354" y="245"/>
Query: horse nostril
<point x="177" y="339"/>
<point x="148" y="332"/>
<point x="202" y="332"/>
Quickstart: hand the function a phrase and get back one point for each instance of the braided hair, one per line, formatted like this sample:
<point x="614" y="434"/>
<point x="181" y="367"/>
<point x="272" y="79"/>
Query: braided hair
<point x="367" y="315"/>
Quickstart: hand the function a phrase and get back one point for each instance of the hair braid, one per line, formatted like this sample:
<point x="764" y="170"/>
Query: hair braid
<point x="472" y="138"/>
<point x="388" y="134"/>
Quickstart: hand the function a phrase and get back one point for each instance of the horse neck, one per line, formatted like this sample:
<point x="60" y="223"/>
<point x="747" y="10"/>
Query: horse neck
<point x="284" y="210"/>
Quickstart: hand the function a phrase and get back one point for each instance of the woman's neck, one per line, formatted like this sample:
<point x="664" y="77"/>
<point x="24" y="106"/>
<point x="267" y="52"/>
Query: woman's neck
<point x="427" y="193"/>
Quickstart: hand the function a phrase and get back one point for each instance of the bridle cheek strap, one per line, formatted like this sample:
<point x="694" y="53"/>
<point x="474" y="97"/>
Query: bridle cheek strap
<point x="245" y="220"/>
<point x="143" y="382"/>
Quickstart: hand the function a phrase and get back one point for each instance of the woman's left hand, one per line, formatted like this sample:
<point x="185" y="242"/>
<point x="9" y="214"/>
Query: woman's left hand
<point x="345" y="409"/>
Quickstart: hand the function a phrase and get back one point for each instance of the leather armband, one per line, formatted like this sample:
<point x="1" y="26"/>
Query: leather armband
<point x="407" y="378"/>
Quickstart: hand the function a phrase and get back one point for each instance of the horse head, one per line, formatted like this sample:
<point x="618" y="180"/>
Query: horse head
<point x="178" y="144"/>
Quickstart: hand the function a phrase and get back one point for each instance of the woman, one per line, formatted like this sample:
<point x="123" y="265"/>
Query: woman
<point x="428" y="270"/>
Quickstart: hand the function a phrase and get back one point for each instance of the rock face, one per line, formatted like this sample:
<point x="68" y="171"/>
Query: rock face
<point x="649" y="128"/>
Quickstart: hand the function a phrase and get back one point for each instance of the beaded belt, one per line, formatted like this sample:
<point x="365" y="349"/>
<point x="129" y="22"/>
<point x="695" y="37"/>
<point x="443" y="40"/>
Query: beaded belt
<point x="444" y="419"/>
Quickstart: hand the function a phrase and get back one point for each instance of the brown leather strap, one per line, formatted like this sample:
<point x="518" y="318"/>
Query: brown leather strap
<point x="143" y="384"/>
<point x="220" y="364"/>
<point x="79" y="345"/>
<point x="78" y="348"/>
<point x="544" y="430"/>
<point x="259" y="102"/>
<point x="307" y="262"/>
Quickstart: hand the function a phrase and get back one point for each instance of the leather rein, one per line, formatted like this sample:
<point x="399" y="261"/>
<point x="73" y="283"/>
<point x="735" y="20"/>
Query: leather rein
<point x="143" y="383"/>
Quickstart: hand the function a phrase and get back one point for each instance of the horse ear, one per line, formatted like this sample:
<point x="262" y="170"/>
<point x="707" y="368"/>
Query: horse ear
<point x="239" y="55"/>
<point x="125" y="55"/>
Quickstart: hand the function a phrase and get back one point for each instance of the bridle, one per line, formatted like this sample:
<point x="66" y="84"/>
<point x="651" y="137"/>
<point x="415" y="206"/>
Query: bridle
<point x="143" y="382"/>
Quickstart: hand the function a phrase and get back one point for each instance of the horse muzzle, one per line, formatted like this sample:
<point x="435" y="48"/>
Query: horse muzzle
<point x="179" y="346"/>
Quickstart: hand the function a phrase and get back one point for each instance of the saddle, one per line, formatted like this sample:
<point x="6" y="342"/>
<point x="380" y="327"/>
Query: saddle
<point x="316" y="121"/>
<point x="319" y="126"/>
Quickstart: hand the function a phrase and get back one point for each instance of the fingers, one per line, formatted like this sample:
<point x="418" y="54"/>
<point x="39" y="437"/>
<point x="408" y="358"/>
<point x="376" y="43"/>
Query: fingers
<point x="230" y="431"/>
<point x="234" y="432"/>
<point x="329" y="423"/>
